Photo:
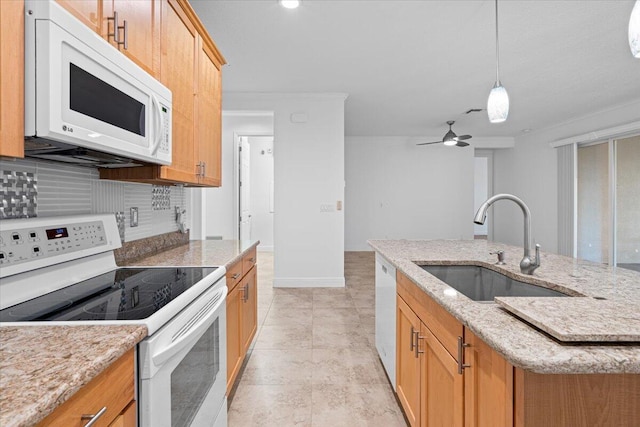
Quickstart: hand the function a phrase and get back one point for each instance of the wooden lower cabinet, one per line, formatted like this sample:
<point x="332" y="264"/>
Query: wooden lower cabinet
<point x="113" y="389"/>
<point x="242" y="313"/>
<point x="408" y="362"/>
<point x="488" y="385"/>
<point x="483" y="389"/>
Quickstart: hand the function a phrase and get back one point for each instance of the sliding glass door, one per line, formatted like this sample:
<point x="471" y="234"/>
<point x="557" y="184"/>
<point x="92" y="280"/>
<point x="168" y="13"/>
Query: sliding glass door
<point x="608" y="202"/>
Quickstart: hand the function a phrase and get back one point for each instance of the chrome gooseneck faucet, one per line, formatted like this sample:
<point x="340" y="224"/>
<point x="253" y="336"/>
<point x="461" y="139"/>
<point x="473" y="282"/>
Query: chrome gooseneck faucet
<point x="527" y="265"/>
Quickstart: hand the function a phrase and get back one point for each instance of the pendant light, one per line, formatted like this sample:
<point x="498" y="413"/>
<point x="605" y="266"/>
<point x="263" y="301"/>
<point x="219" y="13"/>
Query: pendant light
<point x="290" y="4"/>
<point x="634" y="30"/>
<point x="498" y="102"/>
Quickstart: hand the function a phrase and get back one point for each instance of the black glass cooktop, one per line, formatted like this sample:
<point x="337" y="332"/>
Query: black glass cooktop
<point x="121" y="294"/>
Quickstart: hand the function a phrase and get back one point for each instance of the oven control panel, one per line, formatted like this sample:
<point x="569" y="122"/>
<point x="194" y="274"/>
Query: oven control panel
<point x="27" y="244"/>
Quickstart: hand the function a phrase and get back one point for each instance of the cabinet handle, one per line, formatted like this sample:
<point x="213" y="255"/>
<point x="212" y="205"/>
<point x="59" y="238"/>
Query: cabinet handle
<point x="246" y="292"/>
<point x="235" y="276"/>
<point x="252" y="260"/>
<point x="418" y="352"/>
<point x="125" y="28"/>
<point x="204" y="169"/>
<point x="116" y="32"/>
<point x="93" y="417"/>
<point x="461" y="347"/>
<point x="413" y="334"/>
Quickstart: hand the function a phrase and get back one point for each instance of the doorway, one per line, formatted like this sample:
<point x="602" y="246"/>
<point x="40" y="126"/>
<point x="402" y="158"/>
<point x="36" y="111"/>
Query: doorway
<point x="255" y="178"/>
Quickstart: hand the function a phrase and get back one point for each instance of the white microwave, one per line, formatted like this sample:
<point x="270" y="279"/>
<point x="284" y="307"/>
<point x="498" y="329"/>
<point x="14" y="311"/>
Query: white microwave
<point x="85" y="102"/>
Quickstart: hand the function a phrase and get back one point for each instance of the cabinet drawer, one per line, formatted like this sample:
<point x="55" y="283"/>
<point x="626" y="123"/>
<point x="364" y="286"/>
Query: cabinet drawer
<point x="234" y="274"/>
<point x="442" y="324"/>
<point x="112" y="389"/>
<point x="248" y="261"/>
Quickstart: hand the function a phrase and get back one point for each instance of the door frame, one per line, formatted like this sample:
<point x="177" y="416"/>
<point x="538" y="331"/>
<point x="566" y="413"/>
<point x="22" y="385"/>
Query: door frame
<point x="236" y="173"/>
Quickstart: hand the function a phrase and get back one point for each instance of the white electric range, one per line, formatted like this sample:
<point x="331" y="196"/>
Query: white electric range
<point x="62" y="270"/>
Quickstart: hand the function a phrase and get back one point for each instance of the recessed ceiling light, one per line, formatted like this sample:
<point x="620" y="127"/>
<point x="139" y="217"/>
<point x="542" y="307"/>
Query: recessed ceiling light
<point x="290" y="4"/>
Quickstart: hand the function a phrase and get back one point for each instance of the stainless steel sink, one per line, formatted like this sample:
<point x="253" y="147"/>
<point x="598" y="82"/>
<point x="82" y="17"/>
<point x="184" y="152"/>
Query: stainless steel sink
<point x="483" y="284"/>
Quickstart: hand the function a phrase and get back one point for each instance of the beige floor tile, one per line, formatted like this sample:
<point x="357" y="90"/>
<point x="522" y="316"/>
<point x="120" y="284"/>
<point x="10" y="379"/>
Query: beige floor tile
<point x="289" y="316"/>
<point x="284" y="337"/>
<point x="271" y="406"/>
<point x="338" y="335"/>
<point x="355" y="405"/>
<point x="272" y="367"/>
<point x="335" y="315"/>
<point x="333" y="300"/>
<point x="346" y="366"/>
<point x="292" y="300"/>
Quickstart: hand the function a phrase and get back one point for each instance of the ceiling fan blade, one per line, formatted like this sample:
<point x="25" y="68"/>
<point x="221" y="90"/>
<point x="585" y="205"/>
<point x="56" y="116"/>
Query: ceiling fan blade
<point x="427" y="143"/>
<point x="463" y="137"/>
<point x="461" y="144"/>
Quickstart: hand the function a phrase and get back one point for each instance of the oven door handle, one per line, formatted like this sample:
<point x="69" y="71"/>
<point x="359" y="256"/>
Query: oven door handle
<point x="192" y="329"/>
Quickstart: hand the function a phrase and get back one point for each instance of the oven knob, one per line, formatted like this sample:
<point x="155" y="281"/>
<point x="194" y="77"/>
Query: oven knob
<point x="3" y="258"/>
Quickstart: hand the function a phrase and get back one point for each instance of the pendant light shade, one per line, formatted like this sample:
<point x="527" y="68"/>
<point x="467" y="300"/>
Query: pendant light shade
<point x="498" y="102"/>
<point x="290" y="4"/>
<point x="634" y="30"/>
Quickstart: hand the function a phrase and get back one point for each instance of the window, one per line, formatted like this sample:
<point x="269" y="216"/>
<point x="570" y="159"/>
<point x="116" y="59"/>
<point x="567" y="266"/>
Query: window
<point x="607" y="202"/>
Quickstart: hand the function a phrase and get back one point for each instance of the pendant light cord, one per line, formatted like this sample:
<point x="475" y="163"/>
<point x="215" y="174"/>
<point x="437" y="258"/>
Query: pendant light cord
<point x="497" y="49"/>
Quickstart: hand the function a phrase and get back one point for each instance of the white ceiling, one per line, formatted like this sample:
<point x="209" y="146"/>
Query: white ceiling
<point x="409" y="66"/>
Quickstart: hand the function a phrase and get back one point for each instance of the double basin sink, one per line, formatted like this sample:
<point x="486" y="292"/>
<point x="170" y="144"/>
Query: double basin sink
<point x="482" y="284"/>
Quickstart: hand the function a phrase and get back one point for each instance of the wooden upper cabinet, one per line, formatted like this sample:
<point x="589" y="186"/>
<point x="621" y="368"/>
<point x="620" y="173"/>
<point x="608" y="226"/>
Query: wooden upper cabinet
<point x="209" y="116"/>
<point x="178" y="73"/>
<point x="190" y="66"/>
<point x="89" y="12"/>
<point x="12" y="78"/>
<point x="142" y="30"/>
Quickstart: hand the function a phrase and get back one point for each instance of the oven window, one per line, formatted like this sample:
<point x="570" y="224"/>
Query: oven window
<point x="194" y="376"/>
<point x="94" y="98"/>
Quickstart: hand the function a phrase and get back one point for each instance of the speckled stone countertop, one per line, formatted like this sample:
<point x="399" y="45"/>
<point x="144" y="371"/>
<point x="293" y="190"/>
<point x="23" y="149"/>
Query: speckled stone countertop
<point x="41" y="367"/>
<point x="200" y="253"/>
<point x="521" y="344"/>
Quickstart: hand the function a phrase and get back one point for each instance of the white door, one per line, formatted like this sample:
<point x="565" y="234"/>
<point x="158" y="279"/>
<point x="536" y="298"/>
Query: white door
<point x="245" y="189"/>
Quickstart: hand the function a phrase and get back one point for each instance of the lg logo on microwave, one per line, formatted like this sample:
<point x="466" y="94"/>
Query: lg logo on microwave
<point x="67" y="128"/>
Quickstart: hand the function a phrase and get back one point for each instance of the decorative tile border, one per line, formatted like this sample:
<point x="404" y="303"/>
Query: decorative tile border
<point x="19" y="194"/>
<point x="160" y="197"/>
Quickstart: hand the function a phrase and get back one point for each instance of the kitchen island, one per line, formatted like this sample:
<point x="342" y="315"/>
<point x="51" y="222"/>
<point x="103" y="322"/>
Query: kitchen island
<point x="537" y="370"/>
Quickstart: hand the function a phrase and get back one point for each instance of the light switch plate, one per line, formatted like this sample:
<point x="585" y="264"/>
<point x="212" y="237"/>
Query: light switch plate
<point x="133" y="217"/>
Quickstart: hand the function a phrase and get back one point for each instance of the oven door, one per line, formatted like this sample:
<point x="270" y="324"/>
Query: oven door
<point x="183" y="367"/>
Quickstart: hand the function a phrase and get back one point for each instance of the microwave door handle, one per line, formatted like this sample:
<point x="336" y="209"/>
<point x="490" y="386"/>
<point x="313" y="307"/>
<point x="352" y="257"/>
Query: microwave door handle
<point x="155" y="107"/>
<point x="195" y="330"/>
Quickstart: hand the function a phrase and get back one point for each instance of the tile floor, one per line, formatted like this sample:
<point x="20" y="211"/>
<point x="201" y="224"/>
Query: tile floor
<point x="313" y="361"/>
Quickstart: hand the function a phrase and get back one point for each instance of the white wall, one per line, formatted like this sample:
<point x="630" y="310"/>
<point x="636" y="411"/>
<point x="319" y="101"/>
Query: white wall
<point x="220" y="212"/>
<point x="397" y="190"/>
<point x="261" y="196"/>
<point x="308" y="172"/>
<point x="529" y="170"/>
<point x="480" y="192"/>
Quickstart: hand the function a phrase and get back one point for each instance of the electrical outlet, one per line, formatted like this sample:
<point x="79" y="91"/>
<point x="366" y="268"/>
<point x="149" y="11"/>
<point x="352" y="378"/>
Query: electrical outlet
<point x="133" y="217"/>
<point x="339" y="205"/>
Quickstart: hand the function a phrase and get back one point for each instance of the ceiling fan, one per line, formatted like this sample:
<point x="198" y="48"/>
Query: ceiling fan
<point x="450" y="138"/>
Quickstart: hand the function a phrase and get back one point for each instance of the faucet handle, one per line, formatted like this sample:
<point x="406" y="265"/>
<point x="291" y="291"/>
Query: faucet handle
<point x="500" y="257"/>
<point x="537" y="261"/>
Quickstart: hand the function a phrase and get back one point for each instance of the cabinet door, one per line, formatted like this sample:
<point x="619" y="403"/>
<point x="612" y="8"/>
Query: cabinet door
<point x="234" y="349"/>
<point x="408" y="362"/>
<point x="143" y="31"/>
<point x="12" y="78"/>
<point x="89" y="12"/>
<point x="488" y="385"/>
<point x="177" y="72"/>
<point x="249" y="308"/>
<point x="209" y="116"/>
<point x="442" y="385"/>
<point x="128" y="417"/>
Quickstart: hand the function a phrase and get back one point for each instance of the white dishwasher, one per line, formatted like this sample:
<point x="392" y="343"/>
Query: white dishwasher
<point x="386" y="316"/>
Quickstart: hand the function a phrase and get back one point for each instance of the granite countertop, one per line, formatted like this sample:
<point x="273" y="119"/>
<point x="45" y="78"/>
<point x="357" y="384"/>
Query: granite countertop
<point x="200" y="253"/>
<point x="41" y="367"/>
<point x="519" y="343"/>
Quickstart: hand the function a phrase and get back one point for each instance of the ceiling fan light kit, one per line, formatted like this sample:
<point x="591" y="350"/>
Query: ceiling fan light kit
<point x="450" y="138"/>
<point x="498" y="102"/>
<point x="634" y="30"/>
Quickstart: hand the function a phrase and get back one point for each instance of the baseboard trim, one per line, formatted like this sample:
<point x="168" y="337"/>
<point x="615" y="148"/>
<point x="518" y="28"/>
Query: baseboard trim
<point x="308" y="282"/>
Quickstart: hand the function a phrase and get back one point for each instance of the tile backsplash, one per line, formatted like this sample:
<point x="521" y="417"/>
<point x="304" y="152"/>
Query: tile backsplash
<point x="40" y="188"/>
